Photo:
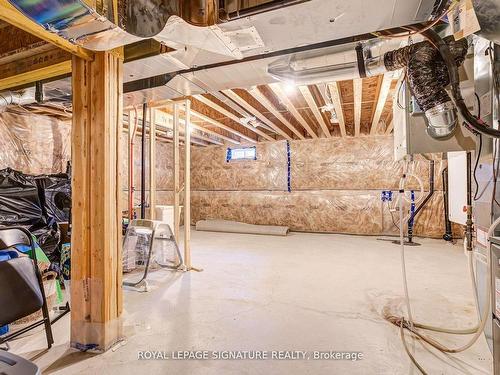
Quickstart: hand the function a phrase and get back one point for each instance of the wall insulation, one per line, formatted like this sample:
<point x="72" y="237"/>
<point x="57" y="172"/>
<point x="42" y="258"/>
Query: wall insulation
<point x="34" y="144"/>
<point x="335" y="183"/>
<point x="336" y="186"/>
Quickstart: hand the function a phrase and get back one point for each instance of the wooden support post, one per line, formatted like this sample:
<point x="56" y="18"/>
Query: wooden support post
<point x="152" y="163"/>
<point x="132" y="127"/>
<point x="177" y="184"/>
<point x="96" y="266"/>
<point x="187" y="186"/>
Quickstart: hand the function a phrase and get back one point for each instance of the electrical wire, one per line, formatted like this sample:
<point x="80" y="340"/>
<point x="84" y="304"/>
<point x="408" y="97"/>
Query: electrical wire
<point x="474" y="124"/>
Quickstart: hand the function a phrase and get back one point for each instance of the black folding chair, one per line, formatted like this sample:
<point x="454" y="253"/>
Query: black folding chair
<point x="21" y="285"/>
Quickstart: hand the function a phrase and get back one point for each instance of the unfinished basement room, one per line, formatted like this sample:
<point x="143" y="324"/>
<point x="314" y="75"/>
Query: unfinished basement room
<point x="212" y="187"/>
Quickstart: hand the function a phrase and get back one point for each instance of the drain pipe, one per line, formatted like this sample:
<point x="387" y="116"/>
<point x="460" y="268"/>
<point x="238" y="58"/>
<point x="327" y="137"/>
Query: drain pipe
<point x="143" y="162"/>
<point x="424" y="202"/>
<point x="448" y="235"/>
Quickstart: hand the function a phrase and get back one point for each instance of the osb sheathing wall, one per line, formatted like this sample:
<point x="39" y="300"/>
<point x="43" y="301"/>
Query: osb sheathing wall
<point x="336" y="186"/>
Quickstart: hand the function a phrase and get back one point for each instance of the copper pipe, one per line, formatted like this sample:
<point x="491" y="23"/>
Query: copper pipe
<point x="131" y="168"/>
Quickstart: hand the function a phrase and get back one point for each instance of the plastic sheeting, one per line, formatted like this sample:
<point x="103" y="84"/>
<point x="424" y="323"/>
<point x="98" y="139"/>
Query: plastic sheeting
<point x="22" y="204"/>
<point x="336" y="186"/>
<point x="211" y="171"/>
<point x="34" y="144"/>
<point x="336" y="211"/>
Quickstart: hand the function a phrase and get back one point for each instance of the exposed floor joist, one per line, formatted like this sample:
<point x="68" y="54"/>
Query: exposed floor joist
<point x="233" y="117"/>
<point x="390" y="127"/>
<point x="315" y="110"/>
<point x="222" y="126"/>
<point x="162" y="120"/>
<point x="283" y="98"/>
<point x="238" y="99"/>
<point x="358" y="98"/>
<point x="255" y="92"/>
<point x="337" y="104"/>
<point x="382" y="98"/>
<point x="169" y="116"/>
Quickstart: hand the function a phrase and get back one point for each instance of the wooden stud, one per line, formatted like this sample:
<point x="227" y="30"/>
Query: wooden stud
<point x="283" y="98"/>
<point x="315" y="110"/>
<point x="187" y="186"/>
<point x="96" y="266"/>
<point x="152" y="163"/>
<point x="233" y="117"/>
<point x="382" y="97"/>
<point x="255" y="92"/>
<point x="238" y="99"/>
<point x="358" y="98"/>
<point x="177" y="182"/>
<point x="337" y="104"/>
<point x="132" y="128"/>
<point x="11" y="15"/>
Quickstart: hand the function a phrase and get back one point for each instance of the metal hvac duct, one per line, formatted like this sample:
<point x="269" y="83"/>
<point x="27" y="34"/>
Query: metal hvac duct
<point x="427" y="73"/>
<point x="106" y="28"/>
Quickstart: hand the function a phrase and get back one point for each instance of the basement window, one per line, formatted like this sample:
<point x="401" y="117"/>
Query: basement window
<point x="245" y="153"/>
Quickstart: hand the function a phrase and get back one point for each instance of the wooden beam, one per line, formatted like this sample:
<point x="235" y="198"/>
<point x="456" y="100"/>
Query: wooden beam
<point x="30" y="76"/>
<point x="152" y="163"/>
<point x="390" y="127"/>
<point x="177" y="179"/>
<point x="315" y="110"/>
<point x="96" y="265"/>
<point x="208" y="131"/>
<point x="238" y="99"/>
<point x="283" y="98"/>
<point x="233" y="117"/>
<point x="11" y="15"/>
<point x="358" y="98"/>
<point x="187" y="185"/>
<point x="222" y="126"/>
<point x="271" y="108"/>
<point x="382" y="98"/>
<point x="337" y="104"/>
<point x="163" y="120"/>
<point x="200" y="128"/>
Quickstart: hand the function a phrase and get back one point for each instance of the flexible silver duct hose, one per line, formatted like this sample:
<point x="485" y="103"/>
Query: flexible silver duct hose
<point x="428" y="76"/>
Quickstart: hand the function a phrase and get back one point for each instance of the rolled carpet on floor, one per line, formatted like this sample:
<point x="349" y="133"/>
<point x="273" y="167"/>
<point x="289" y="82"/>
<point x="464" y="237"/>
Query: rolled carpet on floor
<point x="237" y="227"/>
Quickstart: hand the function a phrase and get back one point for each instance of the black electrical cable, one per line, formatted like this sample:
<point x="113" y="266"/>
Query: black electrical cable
<point x="474" y="124"/>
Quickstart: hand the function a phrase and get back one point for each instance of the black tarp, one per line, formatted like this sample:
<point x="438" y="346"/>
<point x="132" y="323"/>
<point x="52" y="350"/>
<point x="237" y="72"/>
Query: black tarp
<point x="56" y="195"/>
<point x="36" y="203"/>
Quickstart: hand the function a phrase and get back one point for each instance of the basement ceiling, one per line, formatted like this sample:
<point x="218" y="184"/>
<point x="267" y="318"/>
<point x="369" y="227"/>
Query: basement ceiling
<point x="278" y="111"/>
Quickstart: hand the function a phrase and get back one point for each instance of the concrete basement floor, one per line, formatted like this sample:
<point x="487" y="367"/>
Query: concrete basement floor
<point x="310" y="292"/>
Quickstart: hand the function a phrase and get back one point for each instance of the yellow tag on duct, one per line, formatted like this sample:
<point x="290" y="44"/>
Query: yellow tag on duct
<point x="464" y="20"/>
